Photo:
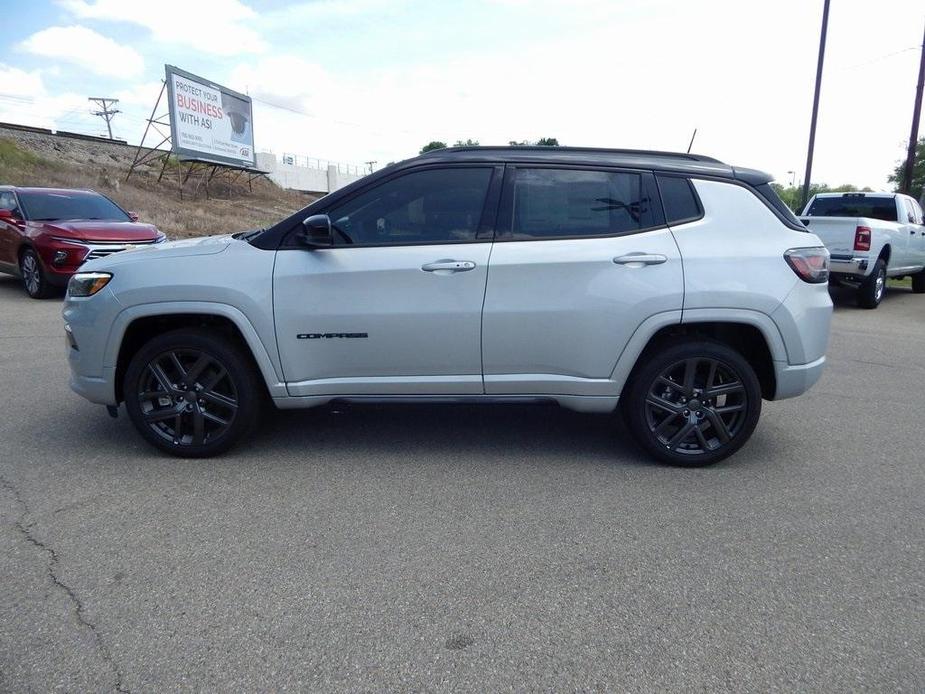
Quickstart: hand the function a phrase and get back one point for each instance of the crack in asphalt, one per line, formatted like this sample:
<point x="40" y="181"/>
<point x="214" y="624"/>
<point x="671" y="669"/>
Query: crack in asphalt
<point x="79" y="612"/>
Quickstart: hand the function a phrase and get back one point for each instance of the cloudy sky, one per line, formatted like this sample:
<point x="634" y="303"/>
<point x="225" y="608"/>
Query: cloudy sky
<point x="358" y="80"/>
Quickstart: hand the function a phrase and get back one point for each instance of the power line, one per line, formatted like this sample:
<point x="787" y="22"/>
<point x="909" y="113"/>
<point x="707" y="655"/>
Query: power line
<point x="882" y="57"/>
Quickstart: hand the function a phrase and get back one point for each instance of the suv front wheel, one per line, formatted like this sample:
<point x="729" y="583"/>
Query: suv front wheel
<point x="191" y="393"/>
<point x="693" y="403"/>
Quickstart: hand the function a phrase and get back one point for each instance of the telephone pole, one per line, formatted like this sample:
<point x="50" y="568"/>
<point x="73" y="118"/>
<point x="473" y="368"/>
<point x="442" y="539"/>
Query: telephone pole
<point x="107" y="111"/>
<point x="914" y="135"/>
<point x="812" y="125"/>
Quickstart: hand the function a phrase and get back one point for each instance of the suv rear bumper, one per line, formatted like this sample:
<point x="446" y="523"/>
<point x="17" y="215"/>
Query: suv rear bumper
<point x="793" y="380"/>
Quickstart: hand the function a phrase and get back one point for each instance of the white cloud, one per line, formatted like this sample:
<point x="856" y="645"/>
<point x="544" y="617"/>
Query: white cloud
<point x="86" y="48"/>
<point x="219" y="27"/>
<point x="25" y="99"/>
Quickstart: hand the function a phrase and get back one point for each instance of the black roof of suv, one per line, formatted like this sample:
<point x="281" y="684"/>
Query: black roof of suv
<point x="674" y="162"/>
<point x="647" y="160"/>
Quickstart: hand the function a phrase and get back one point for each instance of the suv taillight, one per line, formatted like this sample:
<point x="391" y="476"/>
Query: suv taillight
<point x="810" y="264"/>
<point x="862" y="239"/>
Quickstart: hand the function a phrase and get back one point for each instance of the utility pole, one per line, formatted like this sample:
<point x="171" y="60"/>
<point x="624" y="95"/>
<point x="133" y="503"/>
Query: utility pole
<point x="812" y="125"/>
<point x="371" y="164"/>
<point x="107" y="112"/>
<point x="914" y="134"/>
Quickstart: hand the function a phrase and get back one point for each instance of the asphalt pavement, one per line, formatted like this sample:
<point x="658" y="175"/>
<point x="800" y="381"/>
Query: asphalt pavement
<point x="468" y="549"/>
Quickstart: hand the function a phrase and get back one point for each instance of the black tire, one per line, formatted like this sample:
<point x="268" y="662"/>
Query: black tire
<point x="33" y="275"/>
<point x="918" y="282"/>
<point x="662" y="400"/>
<point x="872" y="289"/>
<point x="192" y="393"/>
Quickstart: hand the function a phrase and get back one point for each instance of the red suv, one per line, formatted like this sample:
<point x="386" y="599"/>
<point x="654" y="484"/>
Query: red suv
<point x="47" y="233"/>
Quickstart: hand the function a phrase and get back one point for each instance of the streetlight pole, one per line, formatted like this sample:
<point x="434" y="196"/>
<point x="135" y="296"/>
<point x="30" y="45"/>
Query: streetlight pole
<point x="812" y="125"/>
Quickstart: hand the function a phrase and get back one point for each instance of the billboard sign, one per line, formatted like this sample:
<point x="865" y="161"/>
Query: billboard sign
<point x="209" y="122"/>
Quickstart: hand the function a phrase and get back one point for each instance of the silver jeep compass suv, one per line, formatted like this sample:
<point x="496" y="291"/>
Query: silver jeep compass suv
<point x="671" y="285"/>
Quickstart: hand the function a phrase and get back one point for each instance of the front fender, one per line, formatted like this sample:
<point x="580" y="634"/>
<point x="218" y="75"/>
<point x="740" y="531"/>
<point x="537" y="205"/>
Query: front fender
<point x="269" y="367"/>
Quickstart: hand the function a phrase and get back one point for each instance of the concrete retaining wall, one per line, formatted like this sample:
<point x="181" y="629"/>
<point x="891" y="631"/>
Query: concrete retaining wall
<point x="309" y="179"/>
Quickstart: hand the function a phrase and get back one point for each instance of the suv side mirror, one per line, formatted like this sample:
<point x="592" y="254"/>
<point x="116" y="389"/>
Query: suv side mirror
<point x="316" y="231"/>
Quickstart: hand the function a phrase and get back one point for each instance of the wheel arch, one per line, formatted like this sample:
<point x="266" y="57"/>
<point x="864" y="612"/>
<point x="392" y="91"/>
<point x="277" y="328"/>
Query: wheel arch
<point x="754" y="335"/>
<point x="885" y="253"/>
<point x="136" y="326"/>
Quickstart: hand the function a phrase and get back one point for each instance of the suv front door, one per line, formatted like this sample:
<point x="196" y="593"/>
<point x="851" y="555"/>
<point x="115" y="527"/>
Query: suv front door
<point x="394" y="307"/>
<point x="582" y="257"/>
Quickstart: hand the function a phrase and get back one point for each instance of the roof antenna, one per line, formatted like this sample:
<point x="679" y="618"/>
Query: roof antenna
<point x="692" y="141"/>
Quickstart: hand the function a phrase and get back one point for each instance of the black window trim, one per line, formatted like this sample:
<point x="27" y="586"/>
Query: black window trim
<point x="693" y="188"/>
<point x="505" y="218"/>
<point x="484" y="231"/>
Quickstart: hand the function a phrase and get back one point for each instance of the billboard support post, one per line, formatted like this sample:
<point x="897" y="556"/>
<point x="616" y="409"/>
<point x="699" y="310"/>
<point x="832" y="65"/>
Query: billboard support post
<point x="208" y="129"/>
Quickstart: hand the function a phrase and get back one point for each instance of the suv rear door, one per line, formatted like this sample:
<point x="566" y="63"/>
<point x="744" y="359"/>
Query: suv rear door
<point x="394" y="307"/>
<point x="581" y="258"/>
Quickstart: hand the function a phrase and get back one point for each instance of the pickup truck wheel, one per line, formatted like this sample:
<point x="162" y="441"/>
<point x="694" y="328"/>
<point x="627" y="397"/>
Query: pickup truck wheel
<point x="872" y="289"/>
<point x="191" y="393"/>
<point x="693" y="403"/>
<point x="918" y="282"/>
<point x="33" y="276"/>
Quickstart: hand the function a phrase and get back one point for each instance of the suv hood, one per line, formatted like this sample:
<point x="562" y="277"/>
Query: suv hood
<point x="207" y="245"/>
<point x="101" y="230"/>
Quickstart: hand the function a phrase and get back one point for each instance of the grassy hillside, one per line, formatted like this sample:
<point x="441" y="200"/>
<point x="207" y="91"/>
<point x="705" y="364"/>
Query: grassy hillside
<point x="46" y="160"/>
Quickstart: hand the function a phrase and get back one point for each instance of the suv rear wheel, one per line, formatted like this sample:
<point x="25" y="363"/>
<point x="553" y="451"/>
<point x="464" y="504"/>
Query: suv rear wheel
<point x="693" y="403"/>
<point x="191" y="393"/>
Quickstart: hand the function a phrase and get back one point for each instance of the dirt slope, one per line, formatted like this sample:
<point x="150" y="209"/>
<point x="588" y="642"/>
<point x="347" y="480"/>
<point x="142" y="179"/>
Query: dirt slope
<point x="40" y="159"/>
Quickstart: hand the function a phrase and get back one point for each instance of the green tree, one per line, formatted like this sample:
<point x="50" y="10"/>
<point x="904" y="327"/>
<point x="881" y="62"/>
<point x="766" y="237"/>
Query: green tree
<point x="542" y="142"/>
<point x="467" y="143"/>
<point x="918" y="171"/>
<point x="436" y="144"/>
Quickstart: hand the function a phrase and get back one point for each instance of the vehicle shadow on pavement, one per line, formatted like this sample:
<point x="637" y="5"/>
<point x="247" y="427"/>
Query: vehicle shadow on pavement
<point x="845" y="298"/>
<point x="11" y="289"/>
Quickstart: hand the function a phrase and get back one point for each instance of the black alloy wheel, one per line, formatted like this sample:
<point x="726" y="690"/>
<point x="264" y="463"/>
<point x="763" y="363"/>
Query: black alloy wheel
<point x="187" y="397"/>
<point x="191" y="393"/>
<point x="694" y="404"/>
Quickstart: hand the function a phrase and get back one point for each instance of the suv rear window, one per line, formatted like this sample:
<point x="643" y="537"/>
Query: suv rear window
<point x="680" y="200"/>
<point x="560" y="203"/>
<point x="854" y="205"/>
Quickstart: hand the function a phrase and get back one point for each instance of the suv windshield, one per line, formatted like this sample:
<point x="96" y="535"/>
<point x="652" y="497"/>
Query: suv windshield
<point x="66" y="205"/>
<point x="854" y="205"/>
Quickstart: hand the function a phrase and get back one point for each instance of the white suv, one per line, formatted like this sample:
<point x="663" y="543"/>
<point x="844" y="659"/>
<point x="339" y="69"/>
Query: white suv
<point x="674" y="285"/>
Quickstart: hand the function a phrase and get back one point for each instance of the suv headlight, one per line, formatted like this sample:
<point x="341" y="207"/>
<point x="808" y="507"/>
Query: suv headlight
<point x="87" y="283"/>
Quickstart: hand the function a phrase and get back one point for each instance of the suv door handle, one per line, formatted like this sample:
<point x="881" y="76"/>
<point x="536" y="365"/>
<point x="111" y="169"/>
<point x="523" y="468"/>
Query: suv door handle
<point x="449" y="266"/>
<point x="640" y="259"/>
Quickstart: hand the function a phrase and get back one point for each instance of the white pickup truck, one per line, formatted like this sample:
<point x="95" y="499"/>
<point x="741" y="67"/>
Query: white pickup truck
<point x="870" y="236"/>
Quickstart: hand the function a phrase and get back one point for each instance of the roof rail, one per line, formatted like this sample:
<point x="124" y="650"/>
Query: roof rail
<point x="598" y="150"/>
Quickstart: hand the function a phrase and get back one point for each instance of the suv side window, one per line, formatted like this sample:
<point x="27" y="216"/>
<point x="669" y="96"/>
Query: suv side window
<point x="562" y="203"/>
<point x="422" y="207"/>
<point x="680" y="200"/>
<point x="8" y="202"/>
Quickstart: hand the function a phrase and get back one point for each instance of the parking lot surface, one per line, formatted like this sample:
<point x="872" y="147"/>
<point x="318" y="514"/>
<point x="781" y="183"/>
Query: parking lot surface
<point x="462" y="548"/>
